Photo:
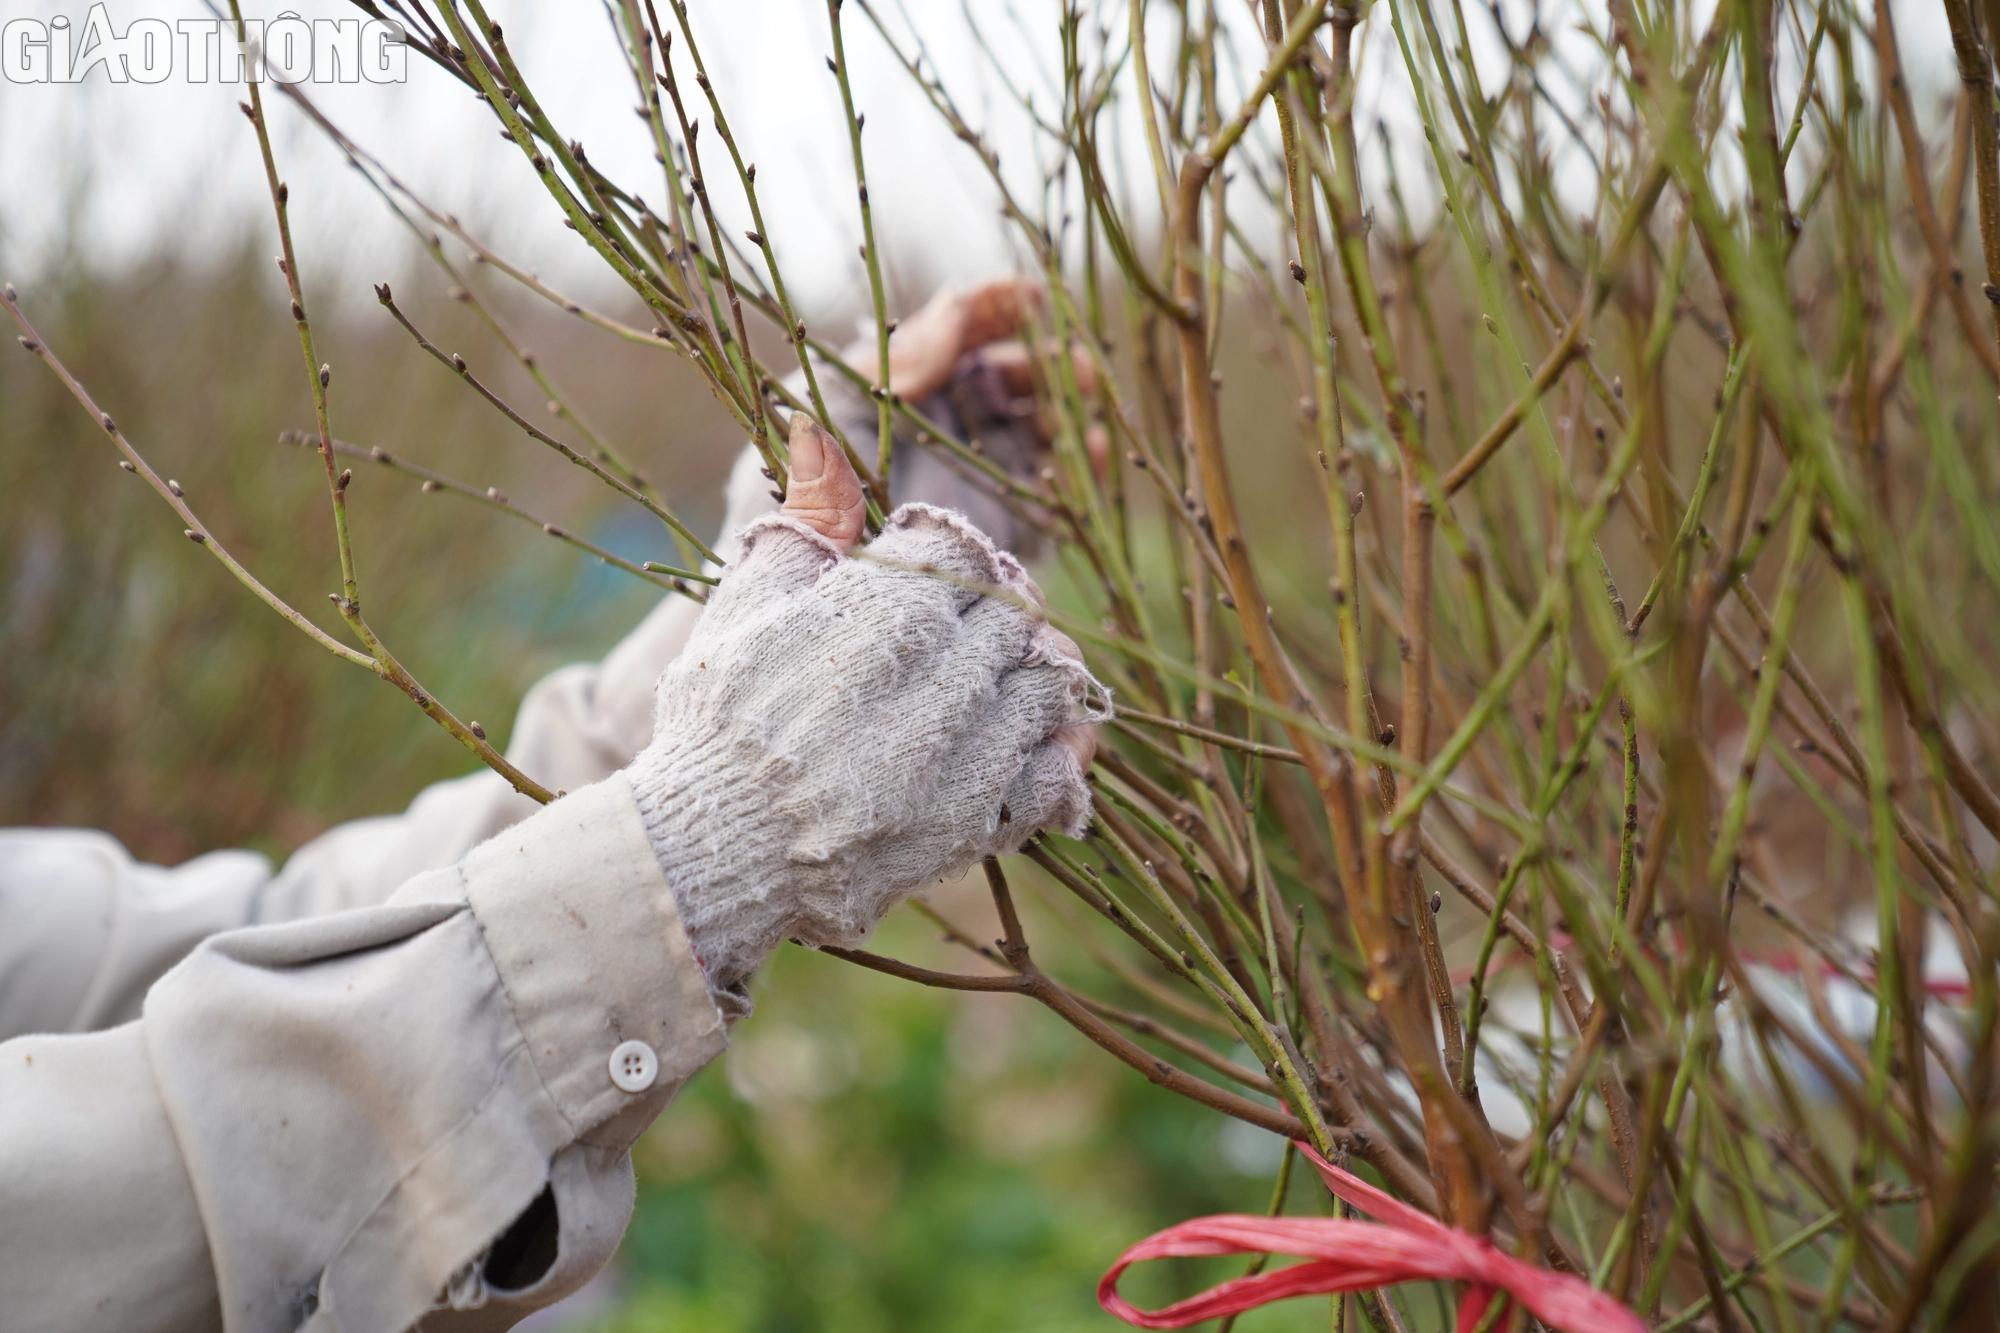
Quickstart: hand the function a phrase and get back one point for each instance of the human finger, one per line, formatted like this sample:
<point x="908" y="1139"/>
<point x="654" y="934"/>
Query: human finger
<point x="1080" y="739"/>
<point x="995" y="308"/>
<point x="923" y="349"/>
<point x="823" y="492"/>
<point x="1017" y="366"/>
<point x="784" y="552"/>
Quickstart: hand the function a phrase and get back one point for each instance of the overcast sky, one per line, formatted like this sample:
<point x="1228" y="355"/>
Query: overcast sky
<point x="118" y="171"/>
<point x="123" y="169"/>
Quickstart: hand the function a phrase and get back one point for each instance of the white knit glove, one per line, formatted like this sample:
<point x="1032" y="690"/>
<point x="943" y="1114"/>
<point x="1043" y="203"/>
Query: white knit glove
<point x="839" y="732"/>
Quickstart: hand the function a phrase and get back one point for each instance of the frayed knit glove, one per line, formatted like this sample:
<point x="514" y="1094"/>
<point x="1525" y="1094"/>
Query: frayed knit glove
<point x="840" y="731"/>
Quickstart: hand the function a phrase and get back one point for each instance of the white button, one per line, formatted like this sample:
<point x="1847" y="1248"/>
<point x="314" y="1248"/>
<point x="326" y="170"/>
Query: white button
<point x="634" y="1066"/>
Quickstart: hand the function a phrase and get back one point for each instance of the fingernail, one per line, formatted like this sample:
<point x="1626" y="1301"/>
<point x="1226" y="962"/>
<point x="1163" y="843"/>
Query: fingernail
<point x="808" y="452"/>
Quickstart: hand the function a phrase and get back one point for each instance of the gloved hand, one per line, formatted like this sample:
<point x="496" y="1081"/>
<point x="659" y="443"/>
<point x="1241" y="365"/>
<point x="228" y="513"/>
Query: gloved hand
<point x="841" y="731"/>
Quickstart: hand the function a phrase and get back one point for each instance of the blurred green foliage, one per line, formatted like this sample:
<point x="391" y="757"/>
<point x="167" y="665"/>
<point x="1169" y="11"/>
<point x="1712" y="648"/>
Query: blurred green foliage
<point x="875" y="1156"/>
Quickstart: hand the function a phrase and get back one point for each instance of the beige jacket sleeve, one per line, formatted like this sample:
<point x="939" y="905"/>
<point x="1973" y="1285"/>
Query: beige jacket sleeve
<point x="405" y="1115"/>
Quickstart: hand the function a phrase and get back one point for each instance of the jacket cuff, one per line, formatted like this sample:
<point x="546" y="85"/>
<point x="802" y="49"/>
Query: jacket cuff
<point x="587" y="941"/>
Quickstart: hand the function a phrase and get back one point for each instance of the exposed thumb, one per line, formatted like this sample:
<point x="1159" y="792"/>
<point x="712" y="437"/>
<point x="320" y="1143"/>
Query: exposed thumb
<point x="823" y="492"/>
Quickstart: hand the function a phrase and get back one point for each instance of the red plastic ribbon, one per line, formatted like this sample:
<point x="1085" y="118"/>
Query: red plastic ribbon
<point x="1403" y="1245"/>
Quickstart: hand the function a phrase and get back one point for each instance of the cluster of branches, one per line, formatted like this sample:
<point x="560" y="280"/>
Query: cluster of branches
<point x="1713" y="523"/>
